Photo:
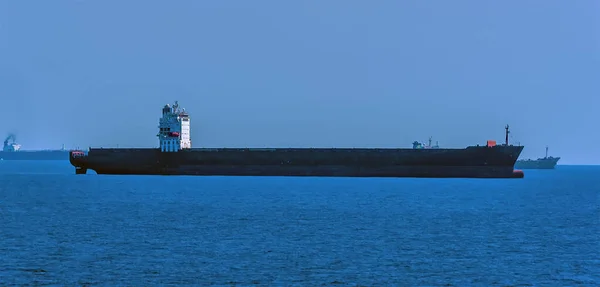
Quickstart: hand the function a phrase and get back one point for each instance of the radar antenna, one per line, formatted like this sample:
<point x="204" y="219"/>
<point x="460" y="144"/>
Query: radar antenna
<point x="176" y="107"/>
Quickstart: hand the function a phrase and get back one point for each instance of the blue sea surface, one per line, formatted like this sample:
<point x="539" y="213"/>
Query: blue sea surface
<point x="58" y="228"/>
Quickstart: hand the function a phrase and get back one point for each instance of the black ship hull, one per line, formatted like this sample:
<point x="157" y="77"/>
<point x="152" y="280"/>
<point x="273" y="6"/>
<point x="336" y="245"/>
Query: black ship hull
<point x="470" y="162"/>
<point x="35" y="155"/>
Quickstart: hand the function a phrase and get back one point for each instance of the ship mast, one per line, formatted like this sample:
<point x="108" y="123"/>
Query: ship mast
<point x="546" y="151"/>
<point x="507" y="132"/>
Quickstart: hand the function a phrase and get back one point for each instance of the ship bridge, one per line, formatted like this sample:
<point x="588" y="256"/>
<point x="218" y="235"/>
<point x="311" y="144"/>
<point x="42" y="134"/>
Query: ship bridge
<point x="10" y="145"/>
<point x="174" y="129"/>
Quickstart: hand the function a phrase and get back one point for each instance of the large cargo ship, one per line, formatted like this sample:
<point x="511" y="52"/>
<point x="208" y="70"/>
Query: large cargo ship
<point x="12" y="151"/>
<point x="547" y="162"/>
<point x="175" y="156"/>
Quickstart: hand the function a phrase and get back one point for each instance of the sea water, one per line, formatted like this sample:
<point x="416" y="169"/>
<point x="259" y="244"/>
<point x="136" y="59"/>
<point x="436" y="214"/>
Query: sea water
<point x="58" y="228"/>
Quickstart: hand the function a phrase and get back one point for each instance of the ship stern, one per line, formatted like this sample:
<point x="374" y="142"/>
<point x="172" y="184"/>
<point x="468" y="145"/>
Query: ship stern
<point x="78" y="159"/>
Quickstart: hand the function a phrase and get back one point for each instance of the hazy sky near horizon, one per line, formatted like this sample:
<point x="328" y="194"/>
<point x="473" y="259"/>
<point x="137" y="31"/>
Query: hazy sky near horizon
<point x="304" y="73"/>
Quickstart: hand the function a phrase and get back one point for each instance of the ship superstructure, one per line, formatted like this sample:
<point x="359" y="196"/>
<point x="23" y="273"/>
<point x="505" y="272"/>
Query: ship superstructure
<point x="10" y="144"/>
<point x="419" y="145"/>
<point x="175" y="156"/>
<point x="174" y="129"/>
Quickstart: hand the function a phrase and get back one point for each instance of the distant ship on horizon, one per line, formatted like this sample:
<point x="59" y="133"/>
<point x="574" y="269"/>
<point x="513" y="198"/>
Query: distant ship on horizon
<point x="547" y="162"/>
<point x="12" y="151"/>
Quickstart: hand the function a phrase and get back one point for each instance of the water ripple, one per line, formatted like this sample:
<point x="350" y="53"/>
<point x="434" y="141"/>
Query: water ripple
<point x="100" y="230"/>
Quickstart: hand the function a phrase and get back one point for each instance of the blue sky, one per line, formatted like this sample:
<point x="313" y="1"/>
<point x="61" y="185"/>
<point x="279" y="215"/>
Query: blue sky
<point x="304" y="73"/>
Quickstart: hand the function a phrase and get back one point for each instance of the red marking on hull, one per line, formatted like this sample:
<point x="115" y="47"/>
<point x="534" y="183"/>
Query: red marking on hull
<point x="517" y="173"/>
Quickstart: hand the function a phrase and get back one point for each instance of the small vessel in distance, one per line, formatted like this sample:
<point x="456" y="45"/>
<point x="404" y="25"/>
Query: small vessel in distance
<point x="547" y="162"/>
<point x="175" y="156"/>
<point x="12" y="151"/>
